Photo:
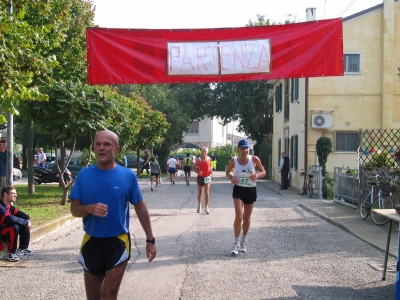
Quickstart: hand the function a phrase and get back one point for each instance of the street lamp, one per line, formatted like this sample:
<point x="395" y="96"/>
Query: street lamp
<point x="10" y="127"/>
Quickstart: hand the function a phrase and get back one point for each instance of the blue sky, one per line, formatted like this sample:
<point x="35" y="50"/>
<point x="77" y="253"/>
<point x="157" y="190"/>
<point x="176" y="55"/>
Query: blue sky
<point x="165" y="14"/>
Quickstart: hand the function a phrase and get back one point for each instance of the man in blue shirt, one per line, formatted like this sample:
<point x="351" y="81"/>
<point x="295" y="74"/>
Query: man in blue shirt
<point x="101" y="196"/>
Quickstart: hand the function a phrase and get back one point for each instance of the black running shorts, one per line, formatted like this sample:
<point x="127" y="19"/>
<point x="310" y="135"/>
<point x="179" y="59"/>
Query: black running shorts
<point x="99" y="255"/>
<point x="248" y="195"/>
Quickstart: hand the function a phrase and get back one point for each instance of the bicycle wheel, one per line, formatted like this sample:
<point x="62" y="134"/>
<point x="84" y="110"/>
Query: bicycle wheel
<point x="310" y="190"/>
<point x="303" y="189"/>
<point x="386" y="202"/>
<point x="364" y="210"/>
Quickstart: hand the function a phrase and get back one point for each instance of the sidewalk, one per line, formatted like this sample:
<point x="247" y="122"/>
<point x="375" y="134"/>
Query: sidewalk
<point x="343" y="216"/>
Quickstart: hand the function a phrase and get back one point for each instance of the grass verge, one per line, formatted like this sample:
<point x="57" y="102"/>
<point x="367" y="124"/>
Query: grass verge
<point x="44" y="205"/>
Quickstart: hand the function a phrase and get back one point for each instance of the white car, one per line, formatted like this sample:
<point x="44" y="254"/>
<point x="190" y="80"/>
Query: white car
<point x="16" y="174"/>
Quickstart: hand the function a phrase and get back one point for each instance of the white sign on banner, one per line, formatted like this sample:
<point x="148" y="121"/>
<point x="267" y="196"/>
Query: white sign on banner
<point x="214" y="58"/>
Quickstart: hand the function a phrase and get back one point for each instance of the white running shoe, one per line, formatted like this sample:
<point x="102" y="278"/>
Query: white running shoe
<point x="234" y="250"/>
<point x="12" y="257"/>
<point x="26" y="251"/>
<point x="198" y="209"/>
<point x="242" y="246"/>
<point x="206" y="210"/>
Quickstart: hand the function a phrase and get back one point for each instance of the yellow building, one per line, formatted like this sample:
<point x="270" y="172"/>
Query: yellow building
<point x="367" y="96"/>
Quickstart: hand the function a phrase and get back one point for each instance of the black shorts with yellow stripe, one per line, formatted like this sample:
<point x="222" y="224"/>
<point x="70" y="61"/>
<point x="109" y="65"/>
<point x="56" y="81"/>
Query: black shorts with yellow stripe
<point x="99" y="255"/>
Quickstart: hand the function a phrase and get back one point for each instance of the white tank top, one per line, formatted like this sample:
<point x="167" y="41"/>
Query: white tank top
<point x="243" y="172"/>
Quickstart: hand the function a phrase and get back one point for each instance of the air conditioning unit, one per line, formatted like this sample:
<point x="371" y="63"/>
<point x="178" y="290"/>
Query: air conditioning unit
<point x="321" y="121"/>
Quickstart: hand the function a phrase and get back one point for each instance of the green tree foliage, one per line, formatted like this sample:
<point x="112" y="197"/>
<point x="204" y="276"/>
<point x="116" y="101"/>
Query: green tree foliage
<point x="24" y="49"/>
<point x="247" y="102"/>
<point x="73" y="109"/>
<point x="162" y="98"/>
<point x="324" y="147"/>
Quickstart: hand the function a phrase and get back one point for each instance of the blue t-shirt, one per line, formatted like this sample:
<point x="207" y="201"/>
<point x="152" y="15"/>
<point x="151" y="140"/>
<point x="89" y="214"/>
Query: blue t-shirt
<point x="116" y="188"/>
<point x="3" y="164"/>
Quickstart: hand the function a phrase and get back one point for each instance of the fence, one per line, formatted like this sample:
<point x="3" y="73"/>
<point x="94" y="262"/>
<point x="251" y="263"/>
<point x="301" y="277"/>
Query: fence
<point x="317" y="172"/>
<point x="391" y="174"/>
<point x="346" y="187"/>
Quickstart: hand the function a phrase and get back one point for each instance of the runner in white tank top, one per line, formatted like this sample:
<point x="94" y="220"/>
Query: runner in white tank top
<point x="243" y="172"/>
<point x="244" y="192"/>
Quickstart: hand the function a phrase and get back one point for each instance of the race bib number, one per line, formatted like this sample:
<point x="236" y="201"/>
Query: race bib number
<point x="207" y="179"/>
<point x="244" y="180"/>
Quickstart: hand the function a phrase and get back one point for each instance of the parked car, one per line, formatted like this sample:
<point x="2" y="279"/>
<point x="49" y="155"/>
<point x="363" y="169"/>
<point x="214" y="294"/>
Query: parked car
<point x="132" y="161"/>
<point x="17" y="162"/>
<point x="49" y="160"/>
<point x="74" y="165"/>
<point x="16" y="174"/>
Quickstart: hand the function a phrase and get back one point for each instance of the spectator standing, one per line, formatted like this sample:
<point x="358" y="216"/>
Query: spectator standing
<point x="41" y="158"/>
<point x="172" y="163"/>
<point x="14" y="223"/>
<point x="284" y="169"/>
<point x="213" y="161"/>
<point x="155" y="171"/>
<point x="160" y="175"/>
<point x="204" y="171"/>
<point x="244" y="191"/>
<point x="3" y="163"/>
<point x="101" y="196"/>
<point x="187" y="167"/>
<point x="146" y="163"/>
<point x="125" y="161"/>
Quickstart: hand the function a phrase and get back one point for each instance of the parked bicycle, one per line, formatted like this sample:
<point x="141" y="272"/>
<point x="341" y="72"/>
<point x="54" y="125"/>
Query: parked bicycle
<point x="308" y="184"/>
<point x="383" y="200"/>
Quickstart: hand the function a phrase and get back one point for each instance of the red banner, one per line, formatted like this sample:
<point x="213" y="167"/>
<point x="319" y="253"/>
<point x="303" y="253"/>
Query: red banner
<point x="147" y="56"/>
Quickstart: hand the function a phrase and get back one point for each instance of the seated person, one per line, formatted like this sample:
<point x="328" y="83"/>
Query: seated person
<point x="14" y="222"/>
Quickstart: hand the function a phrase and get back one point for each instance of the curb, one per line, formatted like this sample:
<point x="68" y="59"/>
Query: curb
<point x="47" y="228"/>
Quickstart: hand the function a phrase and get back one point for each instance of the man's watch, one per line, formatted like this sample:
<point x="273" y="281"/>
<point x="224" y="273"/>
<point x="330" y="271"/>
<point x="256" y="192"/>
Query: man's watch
<point x="153" y="241"/>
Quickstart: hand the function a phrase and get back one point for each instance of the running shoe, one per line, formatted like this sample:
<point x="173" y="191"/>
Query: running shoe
<point x="151" y="189"/>
<point x="27" y="251"/>
<point x="156" y="189"/>
<point x="242" y="246"/>
<point x="12" y="257"/>
<point x="198" y="209"/>
<point x="173" y="182"/>
<point x="206" y="210"/>
<point x="234" y="250"/>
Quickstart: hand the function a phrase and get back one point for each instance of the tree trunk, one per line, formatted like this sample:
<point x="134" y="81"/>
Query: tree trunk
<point x="31" y="186"/>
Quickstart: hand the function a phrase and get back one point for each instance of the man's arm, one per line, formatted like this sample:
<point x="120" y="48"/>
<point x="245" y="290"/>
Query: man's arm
<point x="144" y="219"/>
<point x="79" y="210"/>
<point x="196" y="166"/>
<point x="14" y="217"/>
<point x="258" y="165"/>
<point x="281" y="164"/>
<point x="229" y="170"/>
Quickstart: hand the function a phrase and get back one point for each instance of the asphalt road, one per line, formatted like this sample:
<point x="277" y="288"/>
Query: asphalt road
<point x="292" y="254"/>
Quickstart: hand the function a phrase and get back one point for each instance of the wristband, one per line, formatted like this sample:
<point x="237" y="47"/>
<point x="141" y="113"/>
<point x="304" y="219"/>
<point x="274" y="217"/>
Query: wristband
<point x="153" y="241"/>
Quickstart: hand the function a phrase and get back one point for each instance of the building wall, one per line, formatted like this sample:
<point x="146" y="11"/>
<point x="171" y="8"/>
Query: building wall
<point x="370" y="99"/>
<point x="211" y="134"/>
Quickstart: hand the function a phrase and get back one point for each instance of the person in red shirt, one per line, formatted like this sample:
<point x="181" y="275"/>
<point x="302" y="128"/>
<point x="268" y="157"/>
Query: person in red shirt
<point x="203" y="169"/>
<point x="14" y="223"/>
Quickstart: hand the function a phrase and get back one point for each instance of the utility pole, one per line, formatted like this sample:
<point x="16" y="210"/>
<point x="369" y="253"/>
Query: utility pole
<point x="10" y="133"/>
